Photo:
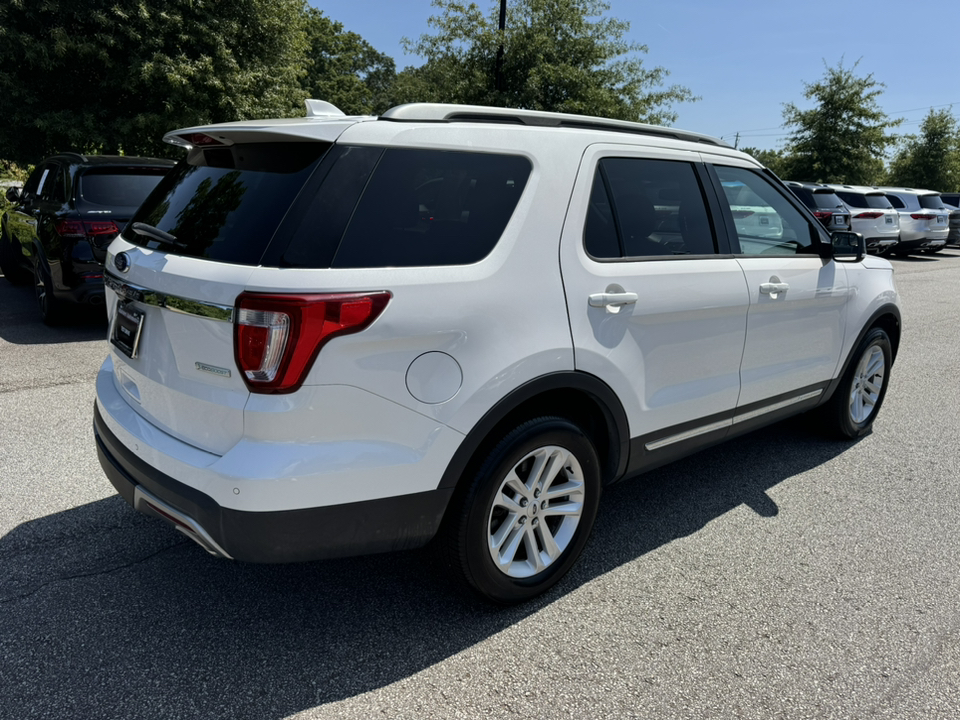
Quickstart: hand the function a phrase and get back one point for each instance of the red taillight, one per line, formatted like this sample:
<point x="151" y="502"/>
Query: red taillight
<point x="741" y="214"/>
<point x="922" y="216"/>
<point x="276" y="338"/>
<point x="822" y="214"/>
<point x="869" y="215"/>
<point x="86" y="228"/>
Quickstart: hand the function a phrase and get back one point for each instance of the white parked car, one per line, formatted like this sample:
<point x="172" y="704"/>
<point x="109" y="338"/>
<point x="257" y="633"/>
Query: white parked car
<point x="872" y="215"/>
<point x="336" y="335"/>
<point x="924" y="220"/>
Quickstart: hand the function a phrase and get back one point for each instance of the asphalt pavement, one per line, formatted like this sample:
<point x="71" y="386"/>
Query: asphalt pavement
<point x="781" y="575"/>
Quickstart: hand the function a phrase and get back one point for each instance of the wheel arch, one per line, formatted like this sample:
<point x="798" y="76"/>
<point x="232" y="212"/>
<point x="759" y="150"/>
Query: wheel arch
<point x="579" y="397"/>
<point x="886" y="317"/>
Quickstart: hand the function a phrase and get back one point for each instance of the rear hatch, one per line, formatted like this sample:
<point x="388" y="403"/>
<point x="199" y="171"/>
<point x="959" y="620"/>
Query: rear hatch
<point x="176" y="271"/>
<point x="936" y="213"/>
<point x="830" y="210"/>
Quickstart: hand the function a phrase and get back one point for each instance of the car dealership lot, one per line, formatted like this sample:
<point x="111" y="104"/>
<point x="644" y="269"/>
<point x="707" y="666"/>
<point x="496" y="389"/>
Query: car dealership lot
<point x="779" y="575"/>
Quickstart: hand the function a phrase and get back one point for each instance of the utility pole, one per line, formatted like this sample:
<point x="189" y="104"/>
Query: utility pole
<point x="503" y="25"/>
<point x="736" y="141"/>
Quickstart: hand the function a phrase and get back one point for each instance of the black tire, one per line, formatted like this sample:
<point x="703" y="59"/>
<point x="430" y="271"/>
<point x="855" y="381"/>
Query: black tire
<point x="51" y="309"/>
<point x="483" y="515"/>
<point x="10" y="265"/>
<point x="854" y="406"/>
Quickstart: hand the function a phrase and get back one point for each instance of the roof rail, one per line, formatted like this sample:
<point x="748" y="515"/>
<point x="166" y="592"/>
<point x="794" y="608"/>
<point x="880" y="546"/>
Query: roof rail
<point x="437" y="112"/>
<point x="71" y="153"/>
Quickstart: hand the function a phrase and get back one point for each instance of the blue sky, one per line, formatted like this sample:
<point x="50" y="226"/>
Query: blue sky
<point x="746" y="59"/>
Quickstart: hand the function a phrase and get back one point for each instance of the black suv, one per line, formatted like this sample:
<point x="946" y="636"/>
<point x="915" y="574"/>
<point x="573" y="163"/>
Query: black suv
<point x="67" y="213"/>
<point x="823" y="202"/>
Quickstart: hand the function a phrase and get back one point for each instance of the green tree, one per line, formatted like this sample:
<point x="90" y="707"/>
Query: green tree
<point x="115" y="75"/>
<point x="345" y="69"/>
<point x="844" y="138"/>
<point x="930" y="160"/>
<point x="776" y="160"/>
<point x="559" y="55"/>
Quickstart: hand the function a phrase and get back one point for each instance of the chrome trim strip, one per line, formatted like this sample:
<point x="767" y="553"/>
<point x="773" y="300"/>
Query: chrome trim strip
<point x="777" y="406"/>
<point x="719" y="425"/>
<point x="663" y="442"/>
<point x="147" y="504"/>
<point x="174" y="303"/>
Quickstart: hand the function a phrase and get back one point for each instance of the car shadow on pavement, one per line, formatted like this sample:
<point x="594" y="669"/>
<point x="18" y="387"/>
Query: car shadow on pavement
<point x="111" y="614"/>
<point x="20" y="322"/>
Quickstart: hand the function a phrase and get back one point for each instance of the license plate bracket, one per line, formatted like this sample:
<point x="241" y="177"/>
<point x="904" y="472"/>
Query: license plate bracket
<point x="127" y="328"/>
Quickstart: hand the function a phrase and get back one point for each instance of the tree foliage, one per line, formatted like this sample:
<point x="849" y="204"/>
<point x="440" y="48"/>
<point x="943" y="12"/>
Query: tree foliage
<point x="111" y="75"/>
<point x="559" y="55"/>
<point x="930" y="160"/>
<point x="345" y="69"/>
<point x="843" y="138"/>
<point x="776" y="160"/>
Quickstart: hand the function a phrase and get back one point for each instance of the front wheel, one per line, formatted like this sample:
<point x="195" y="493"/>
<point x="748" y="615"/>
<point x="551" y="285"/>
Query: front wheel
<point x="527" y="513"/>
<point x="856" y="402"/>
<point x="10" y="257"/>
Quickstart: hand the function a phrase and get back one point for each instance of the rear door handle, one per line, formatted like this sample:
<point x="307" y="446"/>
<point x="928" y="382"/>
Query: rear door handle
<point x="774" y="288"/>
<point x="612" y="299"/>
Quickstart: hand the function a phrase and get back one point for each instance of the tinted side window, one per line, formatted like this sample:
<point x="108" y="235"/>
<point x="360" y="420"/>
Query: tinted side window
<point x="806" y="197"/>
<point x="896" y="202"/>
<point x="432" y="207"/>
<point x="643" y="208"/>
<point x="766" y="222"/>
<point x="38" y="180"/>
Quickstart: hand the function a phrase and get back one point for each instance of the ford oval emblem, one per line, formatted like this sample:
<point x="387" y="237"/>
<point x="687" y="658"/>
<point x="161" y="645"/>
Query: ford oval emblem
<point x="122" y="262"/>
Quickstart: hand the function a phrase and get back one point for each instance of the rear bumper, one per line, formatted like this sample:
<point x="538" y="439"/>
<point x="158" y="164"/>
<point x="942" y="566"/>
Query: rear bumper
<point x="919" y="245"/>
<point x="381" y="525"/>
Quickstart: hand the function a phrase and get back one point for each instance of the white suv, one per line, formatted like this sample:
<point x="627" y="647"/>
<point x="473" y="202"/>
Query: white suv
<point x="871" y="215"/>
<point x="924" y="220"/>
<point x="336" y="335"/>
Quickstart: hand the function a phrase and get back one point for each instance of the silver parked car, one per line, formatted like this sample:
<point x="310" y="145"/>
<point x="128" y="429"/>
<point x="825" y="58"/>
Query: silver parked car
<point x="872" y="215"/>
<point x="924" y="220"/>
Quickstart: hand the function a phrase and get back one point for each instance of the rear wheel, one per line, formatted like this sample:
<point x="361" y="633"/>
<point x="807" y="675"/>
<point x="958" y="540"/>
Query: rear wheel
<point x="527" y="513"/>
<point x="51" y="309"/>
<point x="856" y="402"/>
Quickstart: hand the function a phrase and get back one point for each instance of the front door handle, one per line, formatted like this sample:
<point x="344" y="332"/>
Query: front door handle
<point x="773" y="288"/>
<point x="612" y="299"/>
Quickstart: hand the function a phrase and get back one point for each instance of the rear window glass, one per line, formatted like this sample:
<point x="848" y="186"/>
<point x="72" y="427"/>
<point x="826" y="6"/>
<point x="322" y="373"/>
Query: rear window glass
<point x="226" y="203"/>
<point x="826" y="199"/>
<point x="951" y="200"/>
<point x="118" y="187"/>
<point x="931" y="202"/>
<point x="432" y="207"/>
<point x="878" y="202"/>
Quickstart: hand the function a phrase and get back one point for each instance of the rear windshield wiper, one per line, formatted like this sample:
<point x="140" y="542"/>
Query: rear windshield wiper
<point x="156" y="233"/>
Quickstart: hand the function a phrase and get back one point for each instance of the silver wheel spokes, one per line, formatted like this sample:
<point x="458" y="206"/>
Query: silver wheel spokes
<point x="536" y="512"/>
<point x="867" y="382"/>
<point x="41" y="290"/>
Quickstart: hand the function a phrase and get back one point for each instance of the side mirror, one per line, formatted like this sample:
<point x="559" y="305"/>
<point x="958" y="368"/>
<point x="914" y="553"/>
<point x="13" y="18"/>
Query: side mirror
<point x="13" y="194"/>
<point x="848" y="246"/>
